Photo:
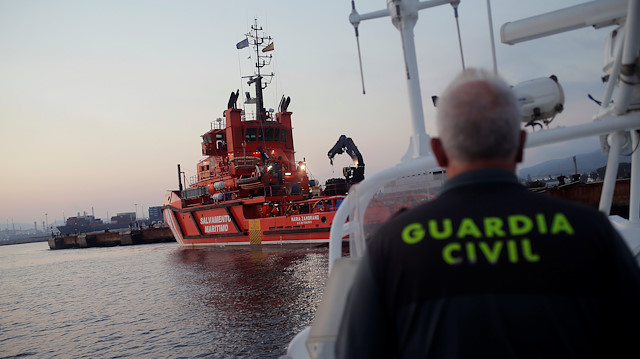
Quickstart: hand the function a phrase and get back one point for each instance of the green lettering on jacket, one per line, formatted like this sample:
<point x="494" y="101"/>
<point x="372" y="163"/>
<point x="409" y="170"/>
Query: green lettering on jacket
<point x="413" y="233"/>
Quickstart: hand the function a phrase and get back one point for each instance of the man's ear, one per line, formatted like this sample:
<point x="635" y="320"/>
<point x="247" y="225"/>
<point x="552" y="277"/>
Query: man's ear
<point x="438" y="152"/>
<point x="523" y="140"/>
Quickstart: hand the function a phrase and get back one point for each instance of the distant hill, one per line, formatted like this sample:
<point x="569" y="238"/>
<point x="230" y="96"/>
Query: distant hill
<point x="586" y="163"/>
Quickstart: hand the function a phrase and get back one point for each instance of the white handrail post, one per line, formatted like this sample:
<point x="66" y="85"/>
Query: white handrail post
<point x="630" y="52"/>
<point x="608" y="186"/>
<point x="337" y="232"/>
<point x="634" y="196"/>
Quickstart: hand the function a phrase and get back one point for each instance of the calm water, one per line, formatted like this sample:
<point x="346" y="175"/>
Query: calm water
<point x="155" y="301"/>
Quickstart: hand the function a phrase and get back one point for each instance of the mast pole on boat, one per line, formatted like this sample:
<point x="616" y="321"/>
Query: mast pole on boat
<point x="404" y="16"/>
<point x="257" y="41"/>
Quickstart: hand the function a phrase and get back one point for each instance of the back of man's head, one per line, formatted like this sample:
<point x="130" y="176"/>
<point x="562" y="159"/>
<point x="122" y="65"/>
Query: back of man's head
<point x="478" y="118"/>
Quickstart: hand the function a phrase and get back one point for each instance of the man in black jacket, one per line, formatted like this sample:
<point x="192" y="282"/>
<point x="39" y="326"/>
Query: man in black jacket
<point x="489" y="269"/>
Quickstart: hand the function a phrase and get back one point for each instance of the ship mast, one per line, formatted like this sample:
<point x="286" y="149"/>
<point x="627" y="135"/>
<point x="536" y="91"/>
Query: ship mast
<point x="261" y="61"/>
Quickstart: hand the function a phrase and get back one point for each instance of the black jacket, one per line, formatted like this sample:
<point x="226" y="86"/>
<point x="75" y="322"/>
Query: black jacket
<point x="489" y="269"/>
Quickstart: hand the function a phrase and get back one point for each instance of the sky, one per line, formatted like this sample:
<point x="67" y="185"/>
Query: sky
<point x="100" y="100"/>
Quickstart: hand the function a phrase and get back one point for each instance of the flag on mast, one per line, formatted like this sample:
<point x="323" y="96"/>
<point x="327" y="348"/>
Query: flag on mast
<point x="242" y="44"/>
<point x="268" y="48"/>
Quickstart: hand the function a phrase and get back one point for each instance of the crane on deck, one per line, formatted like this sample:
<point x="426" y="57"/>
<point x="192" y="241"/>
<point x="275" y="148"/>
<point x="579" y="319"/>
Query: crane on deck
<point x="353" y="174"/>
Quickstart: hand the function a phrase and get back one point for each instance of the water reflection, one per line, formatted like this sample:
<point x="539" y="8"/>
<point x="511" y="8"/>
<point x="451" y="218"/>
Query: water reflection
<point x="253" y="299"/>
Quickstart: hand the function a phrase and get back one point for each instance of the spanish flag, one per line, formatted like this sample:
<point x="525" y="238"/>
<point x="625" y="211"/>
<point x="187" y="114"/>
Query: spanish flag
<point x="268" y="48"/>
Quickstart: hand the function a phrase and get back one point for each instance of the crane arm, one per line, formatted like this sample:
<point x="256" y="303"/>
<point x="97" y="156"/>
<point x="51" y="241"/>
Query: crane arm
<point x="345" y="144"/>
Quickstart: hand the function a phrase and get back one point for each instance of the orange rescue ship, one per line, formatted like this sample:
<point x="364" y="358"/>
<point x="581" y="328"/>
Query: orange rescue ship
<point x="249" y="188"/>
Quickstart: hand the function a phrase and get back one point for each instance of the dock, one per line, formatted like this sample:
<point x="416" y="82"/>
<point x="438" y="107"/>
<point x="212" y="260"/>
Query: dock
<point x="112" y="238"/>
<point x="589" y="194"/>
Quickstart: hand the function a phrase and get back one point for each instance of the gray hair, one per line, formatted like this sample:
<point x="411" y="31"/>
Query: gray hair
<point x="478" y="118"/>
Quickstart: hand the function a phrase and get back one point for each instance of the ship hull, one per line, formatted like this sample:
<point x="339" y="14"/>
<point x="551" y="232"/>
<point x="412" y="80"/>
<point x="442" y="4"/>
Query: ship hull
<point x="227" y="224"/>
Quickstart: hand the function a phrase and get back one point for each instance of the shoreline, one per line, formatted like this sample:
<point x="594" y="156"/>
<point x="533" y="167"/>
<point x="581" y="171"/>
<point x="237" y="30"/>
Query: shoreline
<point x="24" y="240"/>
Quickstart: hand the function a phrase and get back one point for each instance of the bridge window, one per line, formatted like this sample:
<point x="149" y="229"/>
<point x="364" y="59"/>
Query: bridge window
<point x="268" y="134"/>
<point x="221" y="141"/>
<point x="251" y="134"/>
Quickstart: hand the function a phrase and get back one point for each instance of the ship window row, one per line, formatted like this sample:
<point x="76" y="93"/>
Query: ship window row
<point x="253" y="134"/>
<point x="206" y="139"/>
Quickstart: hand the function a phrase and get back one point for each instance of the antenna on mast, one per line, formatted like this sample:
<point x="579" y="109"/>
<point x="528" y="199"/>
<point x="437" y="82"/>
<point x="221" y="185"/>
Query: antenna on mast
<point x="257" y="41"/>
<point x="355" y="20"/>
